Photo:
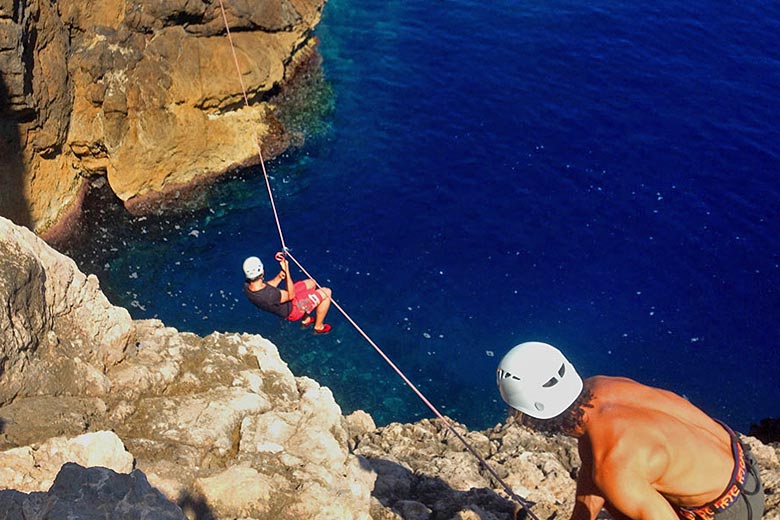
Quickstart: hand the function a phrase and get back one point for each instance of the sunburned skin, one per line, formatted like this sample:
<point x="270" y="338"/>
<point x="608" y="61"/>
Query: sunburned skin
<point x="645" y="450"/>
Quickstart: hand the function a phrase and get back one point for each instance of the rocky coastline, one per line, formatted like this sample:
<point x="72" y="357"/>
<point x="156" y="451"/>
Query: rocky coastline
<point x="145" y="96"/>
<point x="219" y="427"/>
<point x="134" y="419"/>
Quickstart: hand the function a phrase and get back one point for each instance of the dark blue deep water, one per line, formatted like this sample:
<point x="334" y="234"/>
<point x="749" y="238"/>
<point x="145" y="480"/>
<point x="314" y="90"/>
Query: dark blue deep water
<point x="599" y="175"/>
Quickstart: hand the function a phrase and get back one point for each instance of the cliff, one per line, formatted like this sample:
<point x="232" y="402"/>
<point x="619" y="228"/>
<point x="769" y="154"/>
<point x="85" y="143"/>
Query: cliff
<point x="220" y="427"/>
<point x="218" y="422"/>
<point x="144" y="94"/>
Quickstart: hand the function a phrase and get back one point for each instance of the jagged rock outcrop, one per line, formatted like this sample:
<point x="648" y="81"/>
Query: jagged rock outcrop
<point x="767" y="430"/>
<point x="143" y="93"/>
<point x="424" y="472"/>
<point x="55" y="320"/>
<point x="196" y="414"/>
<point x="95" y="492"/>
<point x="32" y="468"/>
<point x="222" y="428"/>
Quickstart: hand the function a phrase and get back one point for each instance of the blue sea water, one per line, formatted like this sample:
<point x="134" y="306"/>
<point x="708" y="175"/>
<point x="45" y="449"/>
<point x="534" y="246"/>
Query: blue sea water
<point x="599" y="175"/>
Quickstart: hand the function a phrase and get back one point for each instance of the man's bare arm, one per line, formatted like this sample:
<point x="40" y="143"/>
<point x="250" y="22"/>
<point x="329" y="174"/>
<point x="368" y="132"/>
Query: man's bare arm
<point x="589" y="500"/>
<point x="587" y="507"/>
<point x="276" y="280"/>
<point x="289" y="294"/>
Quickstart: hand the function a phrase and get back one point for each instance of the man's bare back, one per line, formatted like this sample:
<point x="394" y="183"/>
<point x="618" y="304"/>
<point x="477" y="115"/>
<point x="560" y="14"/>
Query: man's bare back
<point x="646" y="453"/>
<point x="642" y="440"/>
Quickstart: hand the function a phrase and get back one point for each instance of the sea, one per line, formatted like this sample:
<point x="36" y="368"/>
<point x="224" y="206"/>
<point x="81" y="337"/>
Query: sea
<point x="470" y="175"/>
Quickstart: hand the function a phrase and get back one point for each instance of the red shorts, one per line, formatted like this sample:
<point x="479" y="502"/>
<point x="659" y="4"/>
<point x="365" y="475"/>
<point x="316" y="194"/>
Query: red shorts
<point x="305" y="301"/>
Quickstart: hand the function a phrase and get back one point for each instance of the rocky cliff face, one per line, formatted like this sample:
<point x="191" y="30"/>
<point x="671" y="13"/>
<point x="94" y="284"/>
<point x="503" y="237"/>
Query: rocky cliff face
<point x="217" y="423"/>
<point x="102" y="413"/>
<point x="143" y="93"/>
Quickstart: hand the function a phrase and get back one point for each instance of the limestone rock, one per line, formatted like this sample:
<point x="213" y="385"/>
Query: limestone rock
<point x="33" y="420"/>
<point x="35" y="84"/>
<point x="768" y="457"/>
<point x="413" y="510"/>
<point x="143" y="93"/>
<point x="231" y="409"/>
<point x="194" y="412"/>
<point x="359" y="423"/>
<point x="91" y="493"/>
<point x="424" y="462"/>
<point x="222" y="427"/>
<point x="33" y="468"/>
<point x="240" y="490"/>
<point x="56" y="316"/>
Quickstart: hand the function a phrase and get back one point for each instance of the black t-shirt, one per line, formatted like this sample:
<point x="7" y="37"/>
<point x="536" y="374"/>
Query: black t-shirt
<point x="268" y="298"/>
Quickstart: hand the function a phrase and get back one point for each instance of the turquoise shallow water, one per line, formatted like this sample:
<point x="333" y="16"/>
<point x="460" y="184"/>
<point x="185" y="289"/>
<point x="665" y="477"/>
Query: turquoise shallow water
<point x="602" y="177"/>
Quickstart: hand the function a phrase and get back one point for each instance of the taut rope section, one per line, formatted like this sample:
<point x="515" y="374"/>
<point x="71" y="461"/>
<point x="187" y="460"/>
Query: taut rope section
<point x="256" y="139"/>
<point x="522" y="502"/>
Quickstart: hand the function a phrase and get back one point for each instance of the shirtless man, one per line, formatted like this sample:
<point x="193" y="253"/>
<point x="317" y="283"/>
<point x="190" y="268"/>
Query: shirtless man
<point x="294" y="302"/>
<point x="646" y="453"/>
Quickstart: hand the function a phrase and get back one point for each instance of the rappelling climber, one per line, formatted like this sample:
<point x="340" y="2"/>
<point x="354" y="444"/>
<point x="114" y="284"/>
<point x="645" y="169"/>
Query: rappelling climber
<point x="298" y="300"/>
<point x="646" y="453"/>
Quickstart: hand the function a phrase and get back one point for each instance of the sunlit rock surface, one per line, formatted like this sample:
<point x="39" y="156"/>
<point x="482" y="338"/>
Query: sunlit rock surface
<point x="145" y="94"/>
<point x="221" y="428"/>
<point x="196" y="414"/>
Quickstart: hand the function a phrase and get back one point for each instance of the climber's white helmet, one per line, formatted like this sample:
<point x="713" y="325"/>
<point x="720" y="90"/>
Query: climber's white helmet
<point x="253" y="268"/>
<point x="536" y="379"/>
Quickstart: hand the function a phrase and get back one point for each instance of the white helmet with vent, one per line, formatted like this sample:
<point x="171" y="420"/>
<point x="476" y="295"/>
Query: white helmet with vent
<point x="536" y="379"/>
<point x="253" y="268"/>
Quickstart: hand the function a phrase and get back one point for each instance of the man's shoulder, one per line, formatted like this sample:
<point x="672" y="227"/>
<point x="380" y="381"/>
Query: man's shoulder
<point x="622" y="445"/>
<point x="618" y="425"/>
<point x="619" y="429"/>
<point x="248" y="289"/>
<point x="260" y="295"/>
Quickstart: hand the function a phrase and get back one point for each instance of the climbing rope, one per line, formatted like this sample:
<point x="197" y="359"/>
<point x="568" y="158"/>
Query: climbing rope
<point x="523" y="503"/>
<point x="256" y="139"/>
<point x="520" y="501"/>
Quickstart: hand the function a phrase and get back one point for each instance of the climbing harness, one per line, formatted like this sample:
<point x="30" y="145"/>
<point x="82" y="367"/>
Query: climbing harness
<point x="524" y="504"/>
<point x="744" y="466"/>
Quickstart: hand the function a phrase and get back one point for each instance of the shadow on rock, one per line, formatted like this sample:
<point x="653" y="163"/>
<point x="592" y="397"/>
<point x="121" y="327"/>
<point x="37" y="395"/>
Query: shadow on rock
<point x="13" y="203"/>
<point x="416" y="495"/>
<point x="194" y="507"/>
<point x="80" y="492"/>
